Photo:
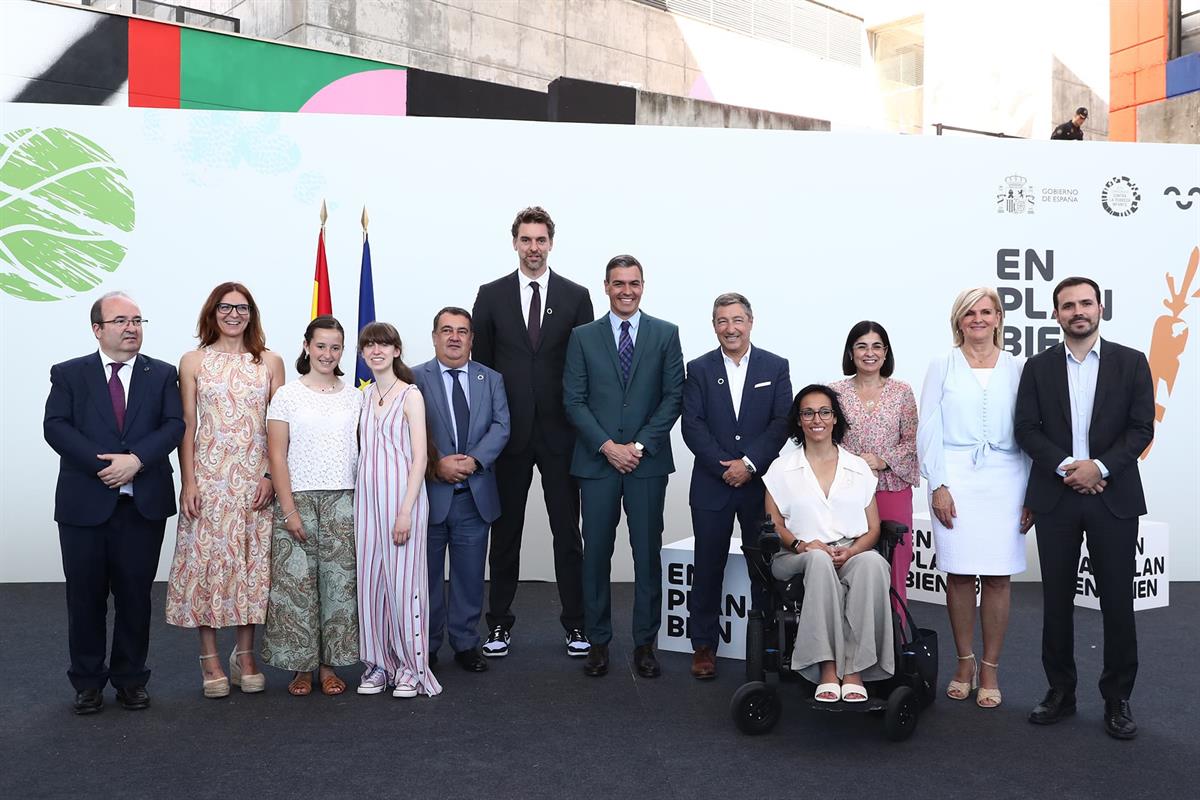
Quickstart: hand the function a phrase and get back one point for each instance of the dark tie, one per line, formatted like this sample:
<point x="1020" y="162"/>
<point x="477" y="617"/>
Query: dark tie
<point x="116" y="393"/>
<point x="535" y="316"/>
<point x="625" y="351"/>
<point x="462" y="413"/>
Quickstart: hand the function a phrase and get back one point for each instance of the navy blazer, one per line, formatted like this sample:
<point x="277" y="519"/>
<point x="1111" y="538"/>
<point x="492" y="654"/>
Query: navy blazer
<point x="487" y="433"/>
<point x="80" y="424"/>
<point x="714" y="434"/>
<point x="1121" y="427"/>
<point x="602" y="408"/>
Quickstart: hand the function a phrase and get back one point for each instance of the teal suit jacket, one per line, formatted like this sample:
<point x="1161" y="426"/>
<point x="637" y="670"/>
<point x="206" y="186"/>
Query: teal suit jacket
<point x="600" y="407"/>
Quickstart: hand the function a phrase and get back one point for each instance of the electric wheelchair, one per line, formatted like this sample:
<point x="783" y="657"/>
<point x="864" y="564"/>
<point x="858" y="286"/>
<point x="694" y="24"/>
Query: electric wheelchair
<point x="770" y="632"/>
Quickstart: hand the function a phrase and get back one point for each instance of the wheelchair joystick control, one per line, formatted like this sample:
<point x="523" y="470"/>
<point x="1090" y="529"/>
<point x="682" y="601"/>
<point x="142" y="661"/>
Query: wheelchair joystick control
<point x="768" y="539"/>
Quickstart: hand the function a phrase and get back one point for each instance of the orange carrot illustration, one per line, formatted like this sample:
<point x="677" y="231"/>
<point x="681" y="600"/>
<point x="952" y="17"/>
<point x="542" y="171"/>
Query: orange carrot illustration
<point x="1169" y="340"/>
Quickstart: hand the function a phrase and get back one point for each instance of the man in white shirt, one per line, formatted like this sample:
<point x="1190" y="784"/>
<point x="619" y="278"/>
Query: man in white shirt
<point x="735" y="404"/>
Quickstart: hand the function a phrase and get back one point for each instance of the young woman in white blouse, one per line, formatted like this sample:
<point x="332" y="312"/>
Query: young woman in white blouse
<point x="312" y="614"/>
<point x="821" y="498"/>
<point x="976" y="475"/>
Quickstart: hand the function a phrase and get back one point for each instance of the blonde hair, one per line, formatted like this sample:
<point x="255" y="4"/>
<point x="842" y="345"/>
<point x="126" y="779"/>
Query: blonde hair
<point x="963" y="303"/>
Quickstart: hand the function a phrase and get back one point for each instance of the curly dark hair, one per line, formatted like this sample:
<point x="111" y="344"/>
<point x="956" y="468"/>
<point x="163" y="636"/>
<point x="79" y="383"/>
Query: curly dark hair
<point x="840" y="425"/>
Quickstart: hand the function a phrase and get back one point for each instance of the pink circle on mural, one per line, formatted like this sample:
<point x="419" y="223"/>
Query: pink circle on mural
<point x="377" y="91"/>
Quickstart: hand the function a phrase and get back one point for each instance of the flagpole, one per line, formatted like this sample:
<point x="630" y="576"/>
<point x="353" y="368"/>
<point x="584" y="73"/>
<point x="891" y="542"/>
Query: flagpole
<point x="366" y="304"/>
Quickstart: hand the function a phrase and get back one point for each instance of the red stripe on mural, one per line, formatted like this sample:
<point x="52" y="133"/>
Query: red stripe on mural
<point x="153" y="65"/>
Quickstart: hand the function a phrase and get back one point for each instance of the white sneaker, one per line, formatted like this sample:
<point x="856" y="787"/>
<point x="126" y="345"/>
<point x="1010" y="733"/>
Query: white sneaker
<point x="404" y="690"/>
<point x="578" y="645"/>
<point x="496" y="645"/>
<point x="373" y="681"/>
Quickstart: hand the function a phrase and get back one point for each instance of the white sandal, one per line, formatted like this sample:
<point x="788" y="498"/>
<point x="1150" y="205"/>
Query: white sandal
<point x="828" y="688"/>
<point x="854" y="688"/>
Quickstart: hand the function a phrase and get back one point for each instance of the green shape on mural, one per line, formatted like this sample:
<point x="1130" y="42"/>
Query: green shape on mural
<point x="225" y="72"/>
<point x="65" y="207"/>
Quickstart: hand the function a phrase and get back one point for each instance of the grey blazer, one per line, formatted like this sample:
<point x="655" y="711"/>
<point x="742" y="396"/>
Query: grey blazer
<point x="487" y="433"/>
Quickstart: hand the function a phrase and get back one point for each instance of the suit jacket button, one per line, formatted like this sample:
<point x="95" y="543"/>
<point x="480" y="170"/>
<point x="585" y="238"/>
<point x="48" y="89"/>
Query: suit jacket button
<point x="626" y="405"/>
<point x="737" y="437"/>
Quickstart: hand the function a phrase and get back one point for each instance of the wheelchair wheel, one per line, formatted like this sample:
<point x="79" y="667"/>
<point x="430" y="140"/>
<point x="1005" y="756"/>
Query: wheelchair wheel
<point x="755" y="708"/>
<point x="900" y="717"/>
<point x="756" y="649"/>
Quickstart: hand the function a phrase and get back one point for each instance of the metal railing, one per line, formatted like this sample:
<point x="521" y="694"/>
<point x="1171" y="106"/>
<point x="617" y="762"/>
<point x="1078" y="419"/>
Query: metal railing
<point x="186" y="16"/>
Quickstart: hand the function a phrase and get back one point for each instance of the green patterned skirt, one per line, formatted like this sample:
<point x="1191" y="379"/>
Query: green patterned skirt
<point x="312" y="615"/>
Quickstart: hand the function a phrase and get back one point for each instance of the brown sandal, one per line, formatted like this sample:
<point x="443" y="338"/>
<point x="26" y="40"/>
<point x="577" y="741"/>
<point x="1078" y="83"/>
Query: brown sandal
<point x="333" y="685"/>
<point x="301" y="684"/>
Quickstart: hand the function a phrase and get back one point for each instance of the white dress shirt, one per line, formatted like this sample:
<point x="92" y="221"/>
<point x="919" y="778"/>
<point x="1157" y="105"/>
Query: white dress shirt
<point x="125" y="375"/>
<point x="1081" y="386"/>
<point x="736" y="375"/>
<point x="448" y="385"/>
<point x="526" y="282"/>
<point x="805" y="509"/>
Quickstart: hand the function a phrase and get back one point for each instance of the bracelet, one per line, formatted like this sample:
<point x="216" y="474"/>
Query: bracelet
<point x="285" y="518"/>
<point x="267" y="475"/>
<point x="795" y="546"/>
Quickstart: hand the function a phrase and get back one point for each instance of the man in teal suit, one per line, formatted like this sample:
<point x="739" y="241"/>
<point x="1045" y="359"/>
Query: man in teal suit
<point x="623" y="389"/>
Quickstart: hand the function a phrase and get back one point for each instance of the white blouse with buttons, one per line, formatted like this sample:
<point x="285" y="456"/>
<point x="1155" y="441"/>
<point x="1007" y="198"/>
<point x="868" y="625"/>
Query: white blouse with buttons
<point x="805" y="509"/>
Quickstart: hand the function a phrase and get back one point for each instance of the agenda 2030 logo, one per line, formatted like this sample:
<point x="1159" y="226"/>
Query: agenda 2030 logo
<point x="66" y="211"/>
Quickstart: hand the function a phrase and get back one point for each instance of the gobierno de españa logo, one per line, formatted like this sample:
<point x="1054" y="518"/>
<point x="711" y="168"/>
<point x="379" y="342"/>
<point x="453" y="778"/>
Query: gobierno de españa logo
<point x="66" y="210"/>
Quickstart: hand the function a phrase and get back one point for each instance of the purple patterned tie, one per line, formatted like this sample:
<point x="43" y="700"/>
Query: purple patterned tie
<point x="116" y="393"/>
<point x="625" y="351"/>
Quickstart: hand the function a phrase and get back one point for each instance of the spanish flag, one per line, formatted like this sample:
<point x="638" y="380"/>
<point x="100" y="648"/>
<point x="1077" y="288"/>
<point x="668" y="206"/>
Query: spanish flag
<point x="321" y="304"/>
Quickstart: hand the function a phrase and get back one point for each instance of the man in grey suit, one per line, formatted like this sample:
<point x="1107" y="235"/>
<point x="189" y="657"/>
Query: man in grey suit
<point x="468" y="427"/>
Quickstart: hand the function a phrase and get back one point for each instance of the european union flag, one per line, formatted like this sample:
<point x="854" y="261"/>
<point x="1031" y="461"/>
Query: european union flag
<point x="366" y="312"/>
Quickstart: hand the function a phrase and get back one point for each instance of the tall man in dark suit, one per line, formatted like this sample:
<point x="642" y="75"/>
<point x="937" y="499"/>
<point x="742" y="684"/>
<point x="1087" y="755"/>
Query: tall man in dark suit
<point x="1085" y="411"/>
<point x="735" y="405"/>
<point x="467" y="417"/>
<point x="622" y="386"/>
<point x="113" y="417"/>
<point x="522" y="324"/>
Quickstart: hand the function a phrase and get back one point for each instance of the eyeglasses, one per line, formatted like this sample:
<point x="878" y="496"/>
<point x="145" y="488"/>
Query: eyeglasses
<point x="125" y="322"/>
<point x="874" y="347"/>
<point x="227" y="308"/>
<point x="824" y="413"/>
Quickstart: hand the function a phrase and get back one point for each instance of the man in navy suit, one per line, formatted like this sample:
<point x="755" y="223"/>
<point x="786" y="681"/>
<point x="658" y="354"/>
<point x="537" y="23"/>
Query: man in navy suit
<point x="467" y="416"/>
<point x="113" y="417"/>
<point x="735" y="405"/>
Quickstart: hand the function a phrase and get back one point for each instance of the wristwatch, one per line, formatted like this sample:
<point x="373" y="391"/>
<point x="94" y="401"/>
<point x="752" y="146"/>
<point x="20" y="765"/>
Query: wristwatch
<point x="749" y="464"/>
<point x="795" y="546"/>
<point x="639" y="447"/>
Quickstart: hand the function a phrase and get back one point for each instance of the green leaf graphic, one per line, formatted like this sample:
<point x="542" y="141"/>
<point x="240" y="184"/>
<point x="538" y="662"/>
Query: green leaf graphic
<point x="65" y="209"/>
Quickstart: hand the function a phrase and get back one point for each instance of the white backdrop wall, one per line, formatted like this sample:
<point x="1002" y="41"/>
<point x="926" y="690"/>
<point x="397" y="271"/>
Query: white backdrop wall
<point x="818" y="230"/>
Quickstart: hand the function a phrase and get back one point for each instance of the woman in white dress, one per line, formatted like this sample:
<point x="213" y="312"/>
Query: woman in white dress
<point x="976" y="475"/>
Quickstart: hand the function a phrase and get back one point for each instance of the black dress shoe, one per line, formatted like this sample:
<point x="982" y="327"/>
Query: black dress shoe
<point x="645" y="662"/>
<point x="89" y="701"/>
<point x="597" y="661"/>
<point x="1056" y="706"/>
<point x="471" y="660"/>
<point x="1118" y="719"/>
<point x="133" y="698"/>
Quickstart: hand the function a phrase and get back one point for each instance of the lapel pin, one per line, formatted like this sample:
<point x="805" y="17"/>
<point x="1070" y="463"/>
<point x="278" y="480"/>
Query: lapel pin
<point x="479" y="377"/>
<point x="720" y="381"/>
<point x="549" y="310"/>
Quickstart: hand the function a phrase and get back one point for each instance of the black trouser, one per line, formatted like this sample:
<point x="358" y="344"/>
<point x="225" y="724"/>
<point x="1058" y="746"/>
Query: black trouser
<point x="713" y="530"/>
<point x="120" y="557"/>
<point x="1112" y="547"/>
<point x="514" y="473"/>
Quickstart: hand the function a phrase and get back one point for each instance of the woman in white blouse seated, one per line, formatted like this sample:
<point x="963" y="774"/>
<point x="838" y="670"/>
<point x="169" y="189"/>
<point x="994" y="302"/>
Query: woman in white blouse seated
<point x="821" y="498"/>
<point x="976" y="475"/>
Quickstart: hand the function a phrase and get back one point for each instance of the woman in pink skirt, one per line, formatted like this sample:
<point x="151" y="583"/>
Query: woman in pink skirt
<point x="390" y="518"/>
<point x="882" y="413"/>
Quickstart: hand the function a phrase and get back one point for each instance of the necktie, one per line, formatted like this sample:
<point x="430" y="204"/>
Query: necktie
<point x="625" y="351"/>
<point x="535" y="316"/>
<point x="116" y="393"/>
<point x="462" y="413"/>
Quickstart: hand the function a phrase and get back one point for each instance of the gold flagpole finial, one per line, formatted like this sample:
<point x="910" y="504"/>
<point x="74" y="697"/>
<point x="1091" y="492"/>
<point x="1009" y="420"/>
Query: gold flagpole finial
<point x="324" y="213"/>
<point x="365" y="219"/>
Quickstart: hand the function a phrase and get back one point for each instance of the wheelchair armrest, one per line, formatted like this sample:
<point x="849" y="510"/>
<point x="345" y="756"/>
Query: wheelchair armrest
<point x="769" y="543"/>
<point x="891" y="534"/>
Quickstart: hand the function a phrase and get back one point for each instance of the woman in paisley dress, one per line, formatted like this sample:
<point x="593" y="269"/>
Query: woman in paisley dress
<point x="312" y="427"/>
<point x="221" y="570"/>
<point x="391" y="516"/>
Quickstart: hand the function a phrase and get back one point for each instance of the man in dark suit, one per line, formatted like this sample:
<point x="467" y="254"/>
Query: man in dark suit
<point x="735" y="405"/>
<point x="1085" y="412"/>
<point x="467" y="417"/>
<point x="113" y="417"/>
<point x="622" y="386"/>
<point x="522" y="324"/>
